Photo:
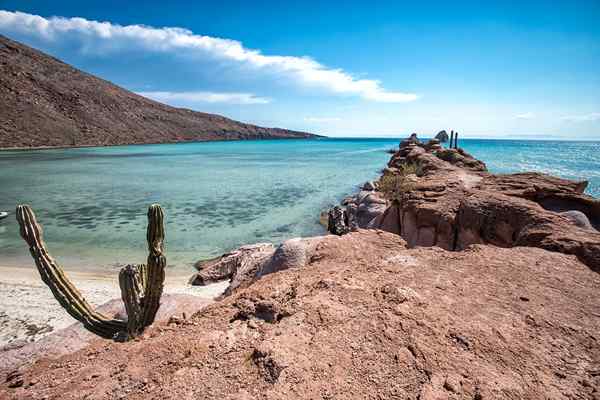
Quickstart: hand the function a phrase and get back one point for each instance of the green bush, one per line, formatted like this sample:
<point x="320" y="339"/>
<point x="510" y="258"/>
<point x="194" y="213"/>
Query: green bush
<point x="411" y="168"/>
<point x="396" y="186"/>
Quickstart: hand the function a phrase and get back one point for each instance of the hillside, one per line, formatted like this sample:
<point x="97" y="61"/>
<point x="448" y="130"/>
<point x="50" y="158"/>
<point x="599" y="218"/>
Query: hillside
<point x="45" y="102"/>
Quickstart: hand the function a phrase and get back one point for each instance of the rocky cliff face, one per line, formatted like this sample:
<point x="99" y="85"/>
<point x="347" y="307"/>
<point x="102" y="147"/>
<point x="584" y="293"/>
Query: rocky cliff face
<point x="453" y="202"/>
<point x="44" y="102"/>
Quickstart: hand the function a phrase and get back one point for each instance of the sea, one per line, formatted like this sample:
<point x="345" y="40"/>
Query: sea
<point x="92" y="202"/>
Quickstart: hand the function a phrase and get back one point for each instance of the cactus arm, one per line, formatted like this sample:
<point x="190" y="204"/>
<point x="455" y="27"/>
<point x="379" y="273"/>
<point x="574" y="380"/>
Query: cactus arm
<point x="130" y="281"/>
<point x="63" y="290"/>
<point x="155" y="268"/>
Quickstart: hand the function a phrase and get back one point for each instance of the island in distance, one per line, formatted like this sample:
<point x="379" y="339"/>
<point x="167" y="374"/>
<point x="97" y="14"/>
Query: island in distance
<point x="47" y="103"/>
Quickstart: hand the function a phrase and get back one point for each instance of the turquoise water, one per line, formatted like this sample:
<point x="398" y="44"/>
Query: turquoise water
<point x="217" y="196"/>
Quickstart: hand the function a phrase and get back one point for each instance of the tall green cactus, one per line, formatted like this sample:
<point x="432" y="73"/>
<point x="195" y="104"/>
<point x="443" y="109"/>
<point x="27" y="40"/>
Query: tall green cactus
<point x="141" y="285"/>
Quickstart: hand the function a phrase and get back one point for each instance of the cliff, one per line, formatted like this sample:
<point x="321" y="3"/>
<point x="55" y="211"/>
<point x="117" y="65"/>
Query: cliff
<point x="444" y="197"/>
<point x="45" y="102"/>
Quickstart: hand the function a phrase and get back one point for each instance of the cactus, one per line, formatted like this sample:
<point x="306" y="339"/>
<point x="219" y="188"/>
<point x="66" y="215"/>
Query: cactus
<point x="141" y="285"/>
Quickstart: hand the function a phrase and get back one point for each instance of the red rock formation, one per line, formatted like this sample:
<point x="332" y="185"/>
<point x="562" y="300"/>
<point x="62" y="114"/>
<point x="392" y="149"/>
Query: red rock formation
<point x="455" y="202"/>
<point x="366" y="318"/>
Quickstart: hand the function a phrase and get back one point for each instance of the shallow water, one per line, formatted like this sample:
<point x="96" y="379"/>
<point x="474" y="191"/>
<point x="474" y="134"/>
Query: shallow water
<point x="92" y="202"/>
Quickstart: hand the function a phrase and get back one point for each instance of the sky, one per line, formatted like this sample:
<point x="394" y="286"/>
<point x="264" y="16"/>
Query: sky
<point x="497" y="69"/>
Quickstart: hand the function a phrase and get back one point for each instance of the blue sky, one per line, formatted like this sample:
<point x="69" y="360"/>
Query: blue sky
<point x="506" y="69"/>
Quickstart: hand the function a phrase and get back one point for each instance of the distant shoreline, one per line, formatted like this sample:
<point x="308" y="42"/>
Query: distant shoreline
<point x="316" y="137"/>
<point x="33" y="148"/>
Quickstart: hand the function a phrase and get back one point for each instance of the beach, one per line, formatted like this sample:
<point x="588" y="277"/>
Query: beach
<point x="28" y="310"/>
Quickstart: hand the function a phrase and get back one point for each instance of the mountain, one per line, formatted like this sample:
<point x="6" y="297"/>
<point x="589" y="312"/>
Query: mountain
<point x="45" y="102"/>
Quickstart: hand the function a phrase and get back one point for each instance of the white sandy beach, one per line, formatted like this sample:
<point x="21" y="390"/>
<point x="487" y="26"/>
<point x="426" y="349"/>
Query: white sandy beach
<point x="28" y="311"/>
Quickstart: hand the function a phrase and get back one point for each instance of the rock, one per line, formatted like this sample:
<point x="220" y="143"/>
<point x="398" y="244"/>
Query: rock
<point x="14" y="379"/>
<point x="411" y="141"/>
<point x="369" y="185"/>
<point x="249" y="266"/>
<point x="389" y="221"/>
<point x="442" y="136"/>
<point x="225" y="266"/>
<point x="461" y="159"/>
<point x="368" y="211"/>
<point x="578" y="219"/>
<point x="338" y="221"/>
<point x="293" y="253"/>
<point x="255" y="261"/>
<point x="269" y="365"/>
<point x="456" y="203"/>
<point x="433" y="145"/>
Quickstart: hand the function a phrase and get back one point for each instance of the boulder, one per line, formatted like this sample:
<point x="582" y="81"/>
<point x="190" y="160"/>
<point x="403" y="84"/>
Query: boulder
<point x="442" y="136"/>
<point x="411" y="141"/>
<point x="227" y="265"/>
<point x="293" y="253"/>
<point x="578" y="219"/>
<point x="369" y="185"/>
<point x="338" y="221"/>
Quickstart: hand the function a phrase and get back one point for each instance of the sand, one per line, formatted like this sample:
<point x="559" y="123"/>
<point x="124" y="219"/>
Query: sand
<point x="28" y="311"/>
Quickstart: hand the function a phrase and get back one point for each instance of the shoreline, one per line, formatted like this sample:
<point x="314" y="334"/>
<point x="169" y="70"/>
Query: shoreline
<point x="30" y="312"/>
<point x="33" y="148"/>
<point x="314" y="137"/>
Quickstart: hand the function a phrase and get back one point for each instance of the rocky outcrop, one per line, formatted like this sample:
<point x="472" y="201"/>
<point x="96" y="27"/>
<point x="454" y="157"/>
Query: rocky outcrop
<point x="442" y="136"/>
<point x="248" y="264"/>
<point x="453" y="202"/>
<point x="245" y="260"/>
<point x="366" y="317"/>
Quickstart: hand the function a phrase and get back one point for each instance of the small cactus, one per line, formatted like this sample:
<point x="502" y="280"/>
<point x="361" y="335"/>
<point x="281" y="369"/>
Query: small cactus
<point x="141" y="285"/>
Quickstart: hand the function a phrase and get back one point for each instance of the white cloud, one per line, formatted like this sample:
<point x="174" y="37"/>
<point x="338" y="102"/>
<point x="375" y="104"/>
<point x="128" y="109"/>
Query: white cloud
<point x="319" y="120"/>
<point x="582" y="118"/>
<point x="206" y="97"/>
<point x="527" y="115"/>
<point x="105" y="37"/>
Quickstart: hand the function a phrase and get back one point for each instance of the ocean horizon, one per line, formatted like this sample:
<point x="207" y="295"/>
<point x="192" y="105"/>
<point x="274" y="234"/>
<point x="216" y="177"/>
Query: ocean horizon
<point x="92" y="201"/>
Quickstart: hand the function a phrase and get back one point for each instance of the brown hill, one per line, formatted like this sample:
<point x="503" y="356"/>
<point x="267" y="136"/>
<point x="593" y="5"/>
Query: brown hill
<point x="45" y="102"/>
